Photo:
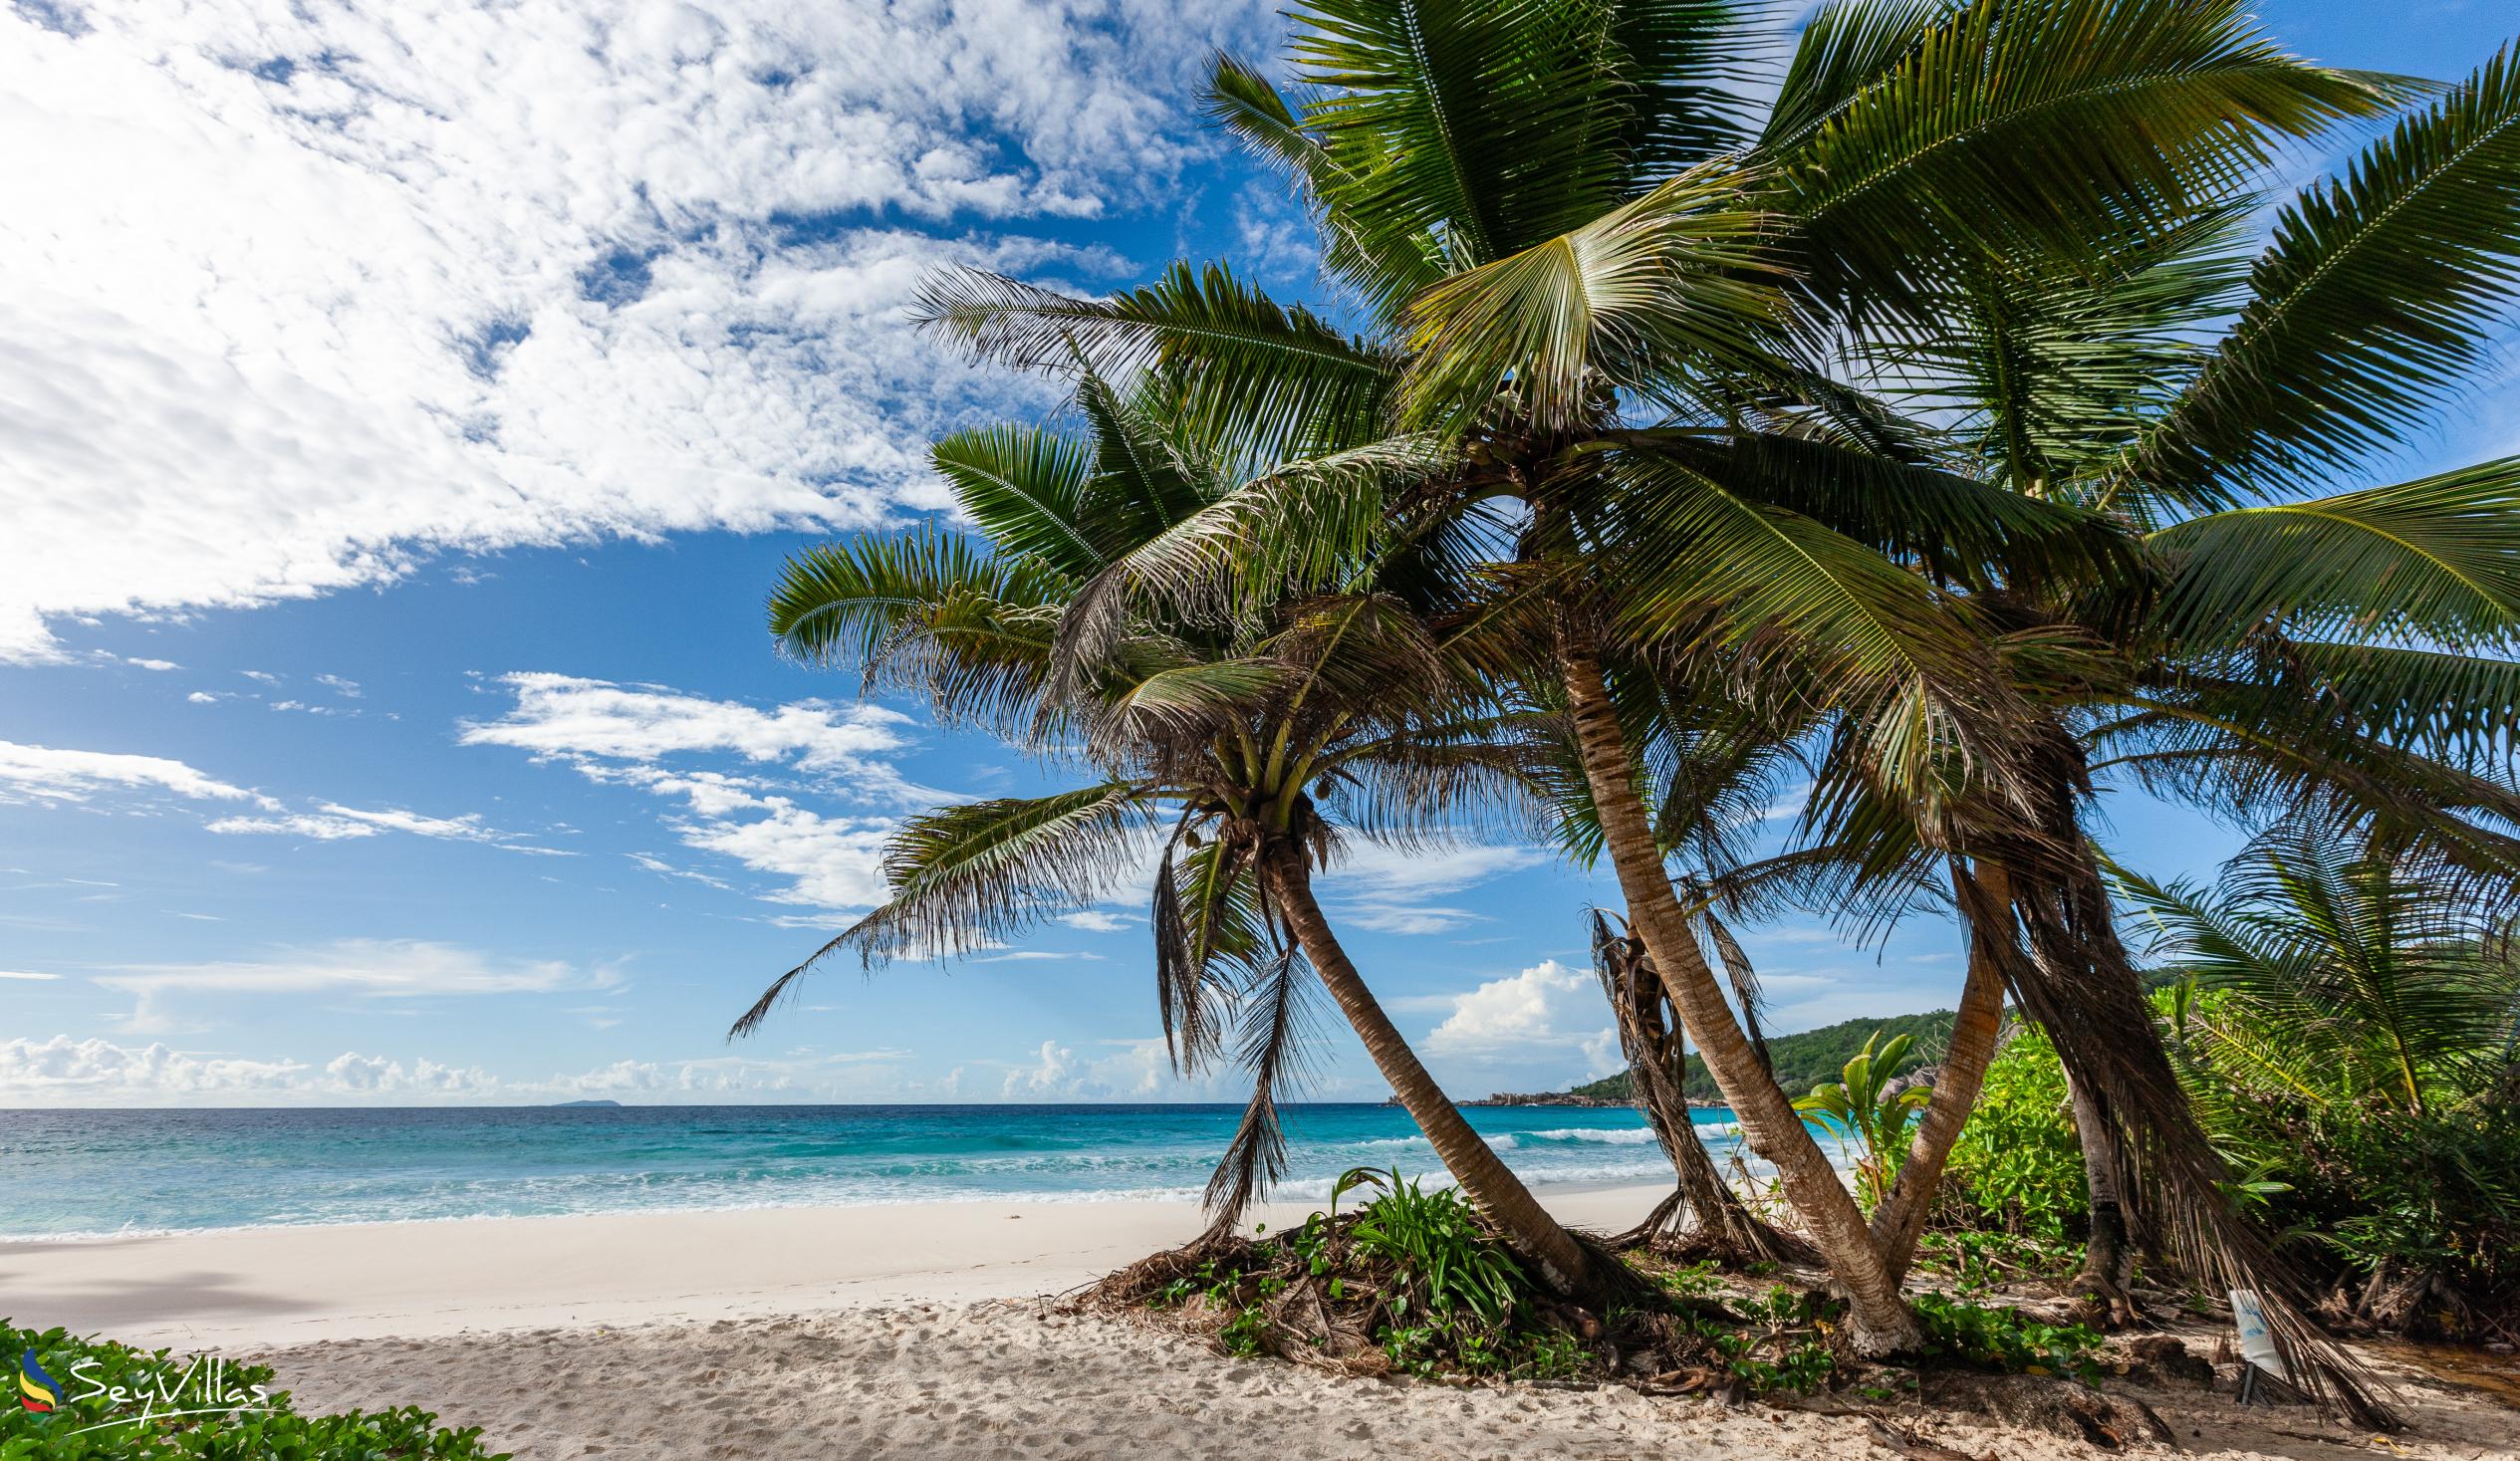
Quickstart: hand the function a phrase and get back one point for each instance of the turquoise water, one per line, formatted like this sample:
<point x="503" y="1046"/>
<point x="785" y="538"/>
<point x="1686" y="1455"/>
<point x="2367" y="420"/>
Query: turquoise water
<point x="65" y="1173"/>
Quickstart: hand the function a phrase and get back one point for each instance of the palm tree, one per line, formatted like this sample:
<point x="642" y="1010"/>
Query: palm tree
<point x="1238" y="753"/>
<point x="1632" y="317"/>
<point x="2350" y="983"/>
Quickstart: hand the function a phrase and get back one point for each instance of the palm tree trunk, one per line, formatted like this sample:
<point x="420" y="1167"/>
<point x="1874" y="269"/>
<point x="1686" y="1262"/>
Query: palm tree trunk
<point x="1880" y="1322"/>
<point x="2108" y="1260"/>
<point x="1975" y="1030"/>
<point x="1490" y="1184"/>
<point x="1657" y="1065"/>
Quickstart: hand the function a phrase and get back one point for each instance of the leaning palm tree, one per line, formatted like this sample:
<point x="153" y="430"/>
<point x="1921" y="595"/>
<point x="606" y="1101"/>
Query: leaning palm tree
<point x="1237" y="752"/>
<point x="1634" y="316"/>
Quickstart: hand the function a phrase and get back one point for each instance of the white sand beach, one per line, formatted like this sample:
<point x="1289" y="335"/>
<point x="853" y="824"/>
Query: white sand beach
<point x="923" y="1331"/>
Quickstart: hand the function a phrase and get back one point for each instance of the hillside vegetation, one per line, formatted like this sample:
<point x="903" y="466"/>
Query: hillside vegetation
<point x="1806" y="1060"/>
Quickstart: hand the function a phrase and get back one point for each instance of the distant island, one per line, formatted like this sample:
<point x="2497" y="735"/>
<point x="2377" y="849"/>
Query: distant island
<point x="1802" y="1060"/>
<point x="566" y="1104"/>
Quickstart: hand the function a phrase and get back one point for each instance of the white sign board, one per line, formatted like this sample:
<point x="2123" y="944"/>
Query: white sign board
<point x="2256" y="1345"/>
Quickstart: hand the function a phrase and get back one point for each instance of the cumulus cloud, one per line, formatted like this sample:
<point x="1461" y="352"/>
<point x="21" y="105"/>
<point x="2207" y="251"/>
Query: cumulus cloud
<point x="49" y="773"/>
<point x="65" y="1071"/>
<point x="1547" y="1008"/>
<point x="829" y="861"/>
<point x="323" y="290"/>
<point x="1134" y="1069"/>
<point x="566" y="716"/>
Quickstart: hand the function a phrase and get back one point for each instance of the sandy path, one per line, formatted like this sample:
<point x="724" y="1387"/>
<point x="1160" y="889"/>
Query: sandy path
<point x="264" y="1286"/>
<point x="1009" y="1380"/>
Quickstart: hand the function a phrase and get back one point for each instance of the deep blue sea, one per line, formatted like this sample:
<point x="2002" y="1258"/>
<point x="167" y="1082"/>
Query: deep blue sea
<point x="75" y="1172"/>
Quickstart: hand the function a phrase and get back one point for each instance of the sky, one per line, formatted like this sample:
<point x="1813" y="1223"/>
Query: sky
<point x="405" y="409"/>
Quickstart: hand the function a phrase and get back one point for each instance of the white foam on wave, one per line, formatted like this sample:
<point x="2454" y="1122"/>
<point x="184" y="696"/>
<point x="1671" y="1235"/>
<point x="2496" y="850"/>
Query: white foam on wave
<point x="1604" y="1136"/>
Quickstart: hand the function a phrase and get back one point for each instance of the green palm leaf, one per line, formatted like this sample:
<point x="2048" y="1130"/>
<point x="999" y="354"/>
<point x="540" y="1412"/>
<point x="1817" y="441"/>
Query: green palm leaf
<point x="964" y="877"/>
<point x="1679" y="274"/>
<point x="2437" y="558"/>
<point x="2374" y="306"/>
<point x="2060" y="125"/>
<point x="1472" y="123"/>
<point x="1257" y="378"/>
<point x="1026" y="489"/>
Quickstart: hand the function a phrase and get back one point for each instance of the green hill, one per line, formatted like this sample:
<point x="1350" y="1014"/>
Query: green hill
<point x="1812" y="1057"/>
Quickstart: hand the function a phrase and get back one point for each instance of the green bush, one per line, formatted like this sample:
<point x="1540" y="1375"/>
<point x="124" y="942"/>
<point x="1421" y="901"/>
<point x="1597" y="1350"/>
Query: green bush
<point x="269" y="1430"/>
<point x="2017" y="1164"/>
<point x="2382" y="1187"/>
<point x="1455" y="1293"/>
<point x="2005" y="1339"/>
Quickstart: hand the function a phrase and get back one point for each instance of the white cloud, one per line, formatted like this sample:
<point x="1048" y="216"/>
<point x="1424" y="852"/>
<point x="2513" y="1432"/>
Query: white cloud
<point x="336" y="822"/>
<point x="321" y="290"/>
<point x="619" y="734"/>
<point x="1135" y="1069"/>
<point x="156" y="665"/>
<point x="562" y="715"/>
<point x="1386" y="888"/>
<point x="1373" y="871"/>
<point x="1405" y="918"/>
<point x="1095" y="920"/>
<point x="1547" y="1005"/>
<point x="355" y="968"/>
<point x="45" y="773"/>
<point x="829" y="862"/>
<point x="28" y="974"/>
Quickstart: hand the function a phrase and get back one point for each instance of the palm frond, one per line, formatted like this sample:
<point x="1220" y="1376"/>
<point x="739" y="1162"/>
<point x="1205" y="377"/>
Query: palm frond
<point x="1682" y="274"/>
<point x="2437" y="558"/>
<point x="2054" y="125"/>
<point x="965" y="878"/>
<point x="1277" y="1032"/>
<point x="2375" y="305"/>
<point x="1468" y="123"/>
<point x="926" y="611"/>
<point x="1026" y="489"/>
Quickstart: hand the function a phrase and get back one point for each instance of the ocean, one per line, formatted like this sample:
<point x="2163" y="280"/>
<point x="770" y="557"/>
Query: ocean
<point x="70" y="1173"/>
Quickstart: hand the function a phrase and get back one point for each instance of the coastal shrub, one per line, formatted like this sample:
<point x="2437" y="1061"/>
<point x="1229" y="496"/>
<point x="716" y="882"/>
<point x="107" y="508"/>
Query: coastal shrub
<point x="1977" y="1260"/>
<point x="2017" y="1165"/>
<point x="80" y="1377"/>
<point x="2410" y="1212"/>
<point x="1446" y="1265"/>
<point x="2006" y="1339"/>
<point x="1414" y="1282"/>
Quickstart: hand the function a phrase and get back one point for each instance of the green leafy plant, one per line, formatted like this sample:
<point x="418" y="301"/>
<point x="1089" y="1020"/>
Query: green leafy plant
<point x="2006" y="1339"/>
<point x="1450" y="1269"/>
<point x="1977" y="1260"/>
<point x="1861" y="1107"/>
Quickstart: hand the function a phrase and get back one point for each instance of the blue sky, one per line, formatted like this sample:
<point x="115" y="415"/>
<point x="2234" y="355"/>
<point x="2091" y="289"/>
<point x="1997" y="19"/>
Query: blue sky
<point x="402" y="413"/>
